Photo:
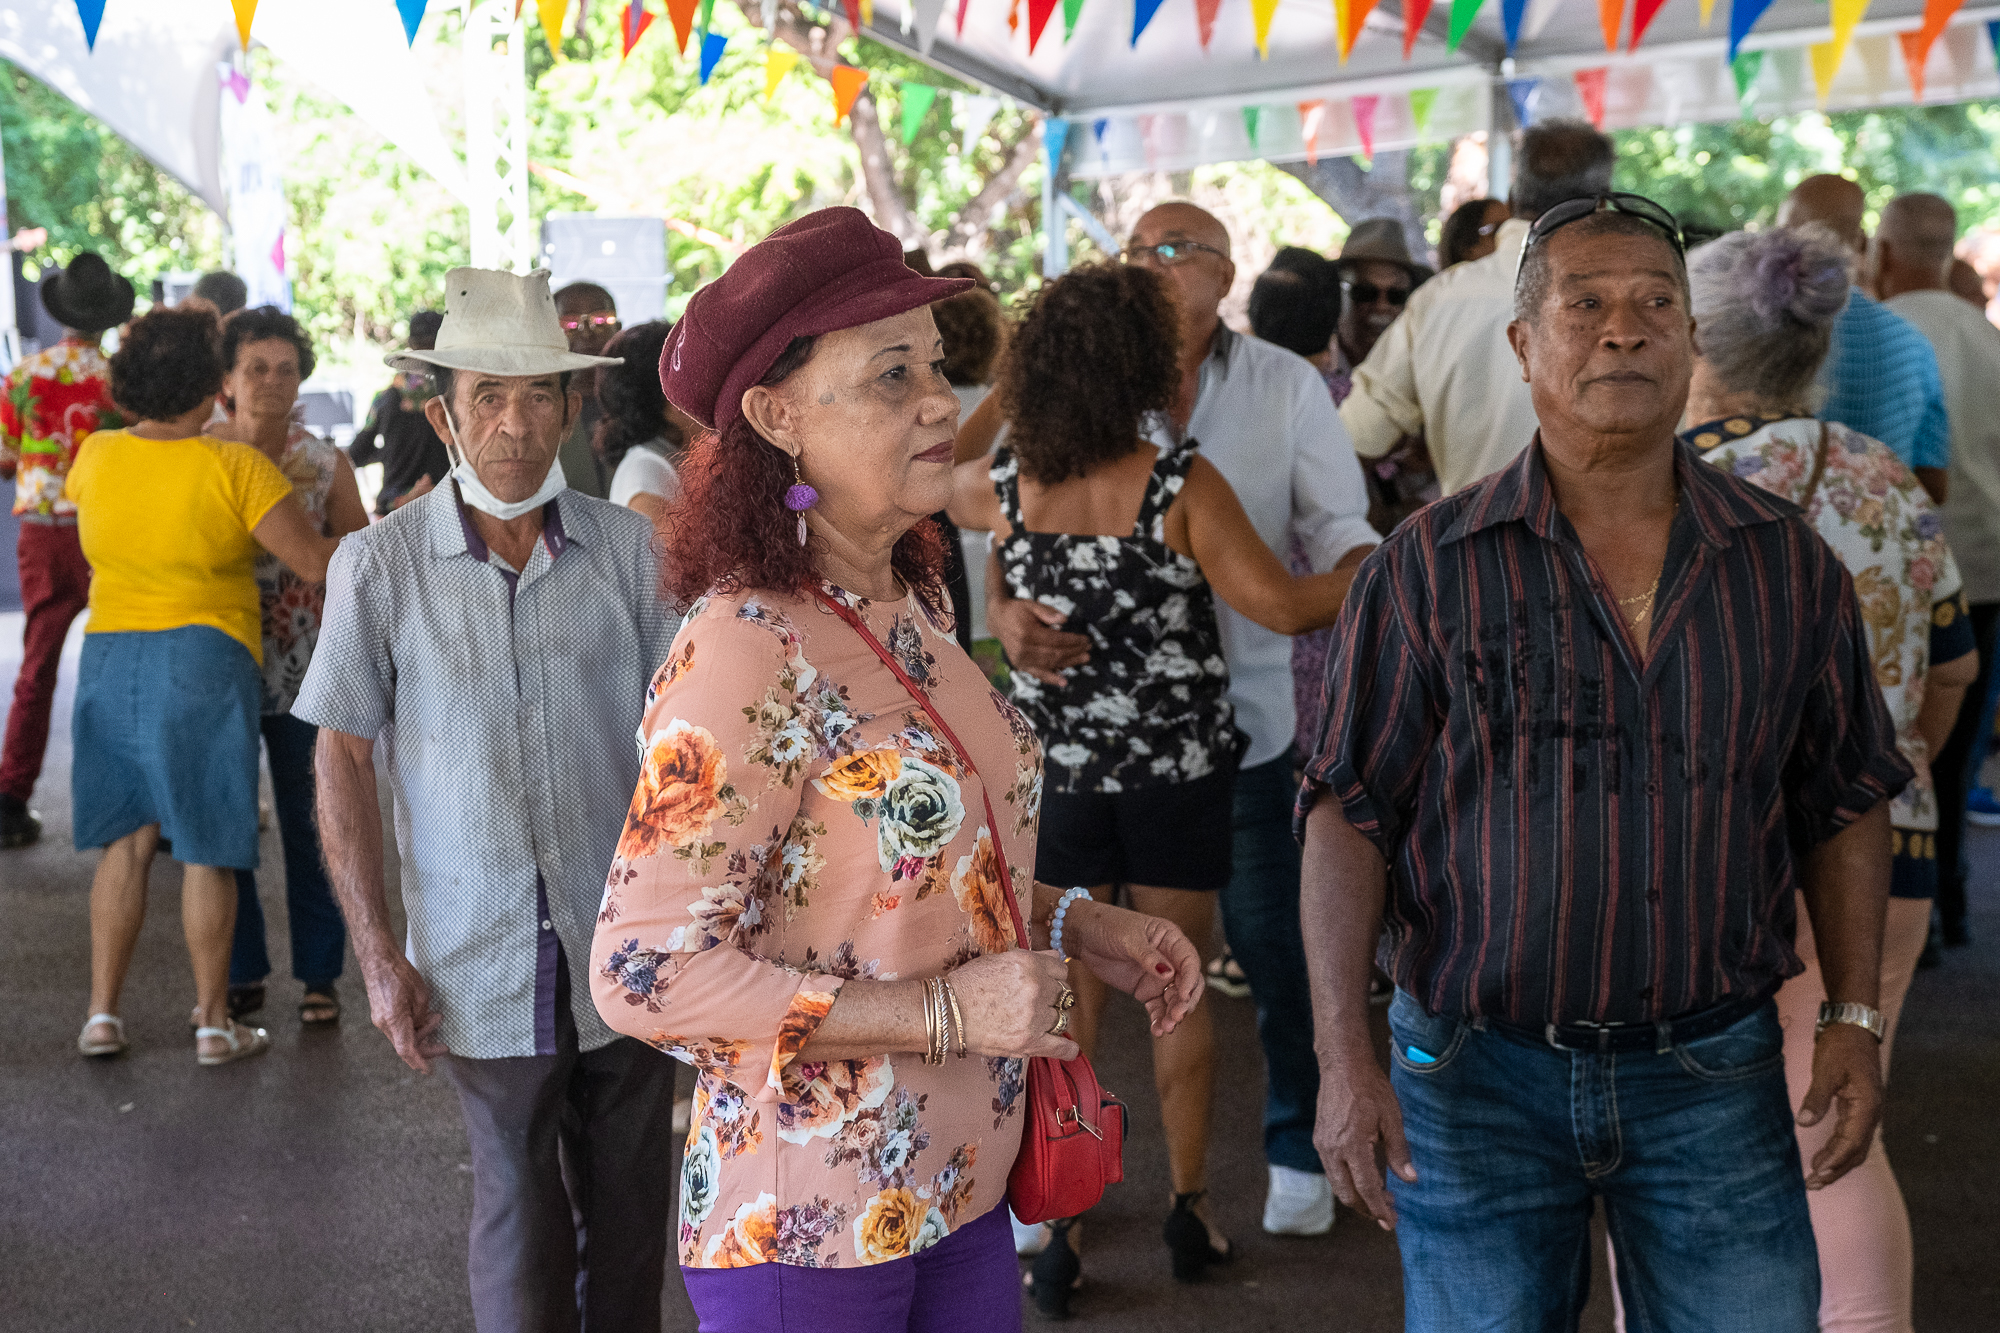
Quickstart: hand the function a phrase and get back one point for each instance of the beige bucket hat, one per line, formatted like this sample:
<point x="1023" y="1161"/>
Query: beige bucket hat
<point x="499" y="323"/>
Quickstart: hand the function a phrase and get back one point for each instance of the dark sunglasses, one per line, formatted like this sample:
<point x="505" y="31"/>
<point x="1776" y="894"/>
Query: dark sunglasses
<point x="604" y="321"/>
<point x="1367" y="293"/>
<point x="1631" y="205"/>
<point x="1170" y="253"/>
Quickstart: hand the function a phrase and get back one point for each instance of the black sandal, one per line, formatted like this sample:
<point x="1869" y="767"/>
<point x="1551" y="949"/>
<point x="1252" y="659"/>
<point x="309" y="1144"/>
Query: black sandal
<point x="320" y="1006"/>
<point x="1056" y="1273"/>
<point x="1187" y="1240"/>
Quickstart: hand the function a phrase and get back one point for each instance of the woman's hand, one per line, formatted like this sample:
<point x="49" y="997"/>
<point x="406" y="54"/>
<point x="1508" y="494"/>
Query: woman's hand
<point x="1144" y="956"/>
<point x="1009" y="1003"/>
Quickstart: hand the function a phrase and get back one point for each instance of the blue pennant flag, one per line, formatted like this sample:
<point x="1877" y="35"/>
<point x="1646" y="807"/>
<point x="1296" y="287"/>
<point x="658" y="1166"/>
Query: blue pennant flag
<point x="92" y="14"/>
<point x="413" y="15"/>
<point x="1142" y="14"/>
<point x="1511" y="14"/>
<point x="1523" y="93"/>
<point x="1992" y="34"/>
<point x="1055" y="134"/>
<point x="1743" y="16"/>
<point x="711" y="51"/>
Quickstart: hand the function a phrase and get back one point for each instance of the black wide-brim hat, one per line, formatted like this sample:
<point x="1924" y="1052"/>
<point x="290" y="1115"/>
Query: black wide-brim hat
<point x="88" y="295"/>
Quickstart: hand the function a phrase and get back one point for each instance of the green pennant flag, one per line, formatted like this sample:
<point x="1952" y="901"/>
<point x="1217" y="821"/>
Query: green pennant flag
<point x="917" y="99"/>
<point x="1746" y="67"/>
<point x="1251" y="115"/>
<point x="707" y="12"/>
<point x="1071" y="8"/>
<point x="1421" y="100"/>
<point x="1462" y="14"/>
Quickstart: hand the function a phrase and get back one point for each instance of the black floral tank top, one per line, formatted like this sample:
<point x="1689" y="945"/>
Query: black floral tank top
<point x="1150" y="708"/>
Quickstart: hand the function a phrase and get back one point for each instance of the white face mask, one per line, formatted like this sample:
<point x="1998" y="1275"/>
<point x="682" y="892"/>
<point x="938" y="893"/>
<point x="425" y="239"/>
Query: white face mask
<point x="473" y="491"/>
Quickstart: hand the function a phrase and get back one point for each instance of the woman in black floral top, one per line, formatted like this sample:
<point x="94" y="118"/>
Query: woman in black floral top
<point x="1125" y="541"/>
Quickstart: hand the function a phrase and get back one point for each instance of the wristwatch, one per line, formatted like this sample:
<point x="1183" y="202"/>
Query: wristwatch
<point x="1860" y="1015"/>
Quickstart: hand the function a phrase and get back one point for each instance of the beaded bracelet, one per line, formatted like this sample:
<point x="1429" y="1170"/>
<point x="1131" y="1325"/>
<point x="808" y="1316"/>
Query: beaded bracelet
<point x="1056" y="921"/>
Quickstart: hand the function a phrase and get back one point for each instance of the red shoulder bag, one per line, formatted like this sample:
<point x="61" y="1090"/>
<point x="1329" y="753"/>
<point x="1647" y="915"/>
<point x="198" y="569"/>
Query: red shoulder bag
<point x="1073" y="1138"/>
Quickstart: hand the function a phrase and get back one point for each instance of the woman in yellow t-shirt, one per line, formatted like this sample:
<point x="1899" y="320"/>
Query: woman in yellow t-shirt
<point x="165" y="729"/>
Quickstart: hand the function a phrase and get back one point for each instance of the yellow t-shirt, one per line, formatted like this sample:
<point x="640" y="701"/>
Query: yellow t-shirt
<point x="166" y="527"/>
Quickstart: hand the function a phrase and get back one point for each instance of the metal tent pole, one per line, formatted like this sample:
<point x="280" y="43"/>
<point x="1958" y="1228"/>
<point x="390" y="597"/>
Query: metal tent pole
<point x="494" y="54"/>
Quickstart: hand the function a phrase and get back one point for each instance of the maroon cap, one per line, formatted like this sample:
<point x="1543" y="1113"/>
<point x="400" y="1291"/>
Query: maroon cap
<point x="833" y="269"/>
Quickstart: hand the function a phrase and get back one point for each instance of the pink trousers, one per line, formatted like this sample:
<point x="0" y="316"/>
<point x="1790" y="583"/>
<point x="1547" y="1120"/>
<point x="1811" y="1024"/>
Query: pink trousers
<point x="1859" y="1221"/>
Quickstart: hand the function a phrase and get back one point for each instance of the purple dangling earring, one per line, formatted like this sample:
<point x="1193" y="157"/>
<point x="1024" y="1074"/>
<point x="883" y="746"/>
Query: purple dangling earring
<point x="800" y="497"/>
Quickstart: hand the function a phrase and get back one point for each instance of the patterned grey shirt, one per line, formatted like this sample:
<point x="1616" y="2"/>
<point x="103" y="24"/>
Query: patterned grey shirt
<point x="508" y="715"/>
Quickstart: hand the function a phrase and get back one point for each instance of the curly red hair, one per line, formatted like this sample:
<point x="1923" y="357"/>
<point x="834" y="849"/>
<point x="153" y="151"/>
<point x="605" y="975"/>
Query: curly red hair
<point x="729" y="530"/>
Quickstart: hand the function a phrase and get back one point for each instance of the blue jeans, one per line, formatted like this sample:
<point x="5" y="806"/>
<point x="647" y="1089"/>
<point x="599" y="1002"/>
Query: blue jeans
<point x="1260" y="917"/>
<point x="1693" y="1153"/>
<point x="319" y="936"/>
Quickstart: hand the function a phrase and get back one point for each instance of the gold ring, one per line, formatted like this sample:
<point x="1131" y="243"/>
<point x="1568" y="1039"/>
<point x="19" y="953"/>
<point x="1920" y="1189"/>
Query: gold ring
<point x="1064" y="1002"/>
<point x="1062" y="1024"/>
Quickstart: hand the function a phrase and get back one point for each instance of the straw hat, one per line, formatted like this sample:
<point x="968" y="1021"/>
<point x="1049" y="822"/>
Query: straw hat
<point x="501" y="324"/>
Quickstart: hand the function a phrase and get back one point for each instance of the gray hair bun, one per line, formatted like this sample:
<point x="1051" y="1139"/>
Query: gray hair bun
<point x="1797" y="276"/>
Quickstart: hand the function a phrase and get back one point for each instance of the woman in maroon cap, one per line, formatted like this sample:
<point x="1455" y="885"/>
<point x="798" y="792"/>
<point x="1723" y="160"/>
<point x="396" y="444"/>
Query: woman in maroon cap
<point x="810" y="901"/>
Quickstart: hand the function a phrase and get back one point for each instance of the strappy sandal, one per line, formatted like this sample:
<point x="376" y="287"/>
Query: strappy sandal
<point x="256" y="1041"/>
<point x="96" y="1048"/>
<point x="320" y="1007"/>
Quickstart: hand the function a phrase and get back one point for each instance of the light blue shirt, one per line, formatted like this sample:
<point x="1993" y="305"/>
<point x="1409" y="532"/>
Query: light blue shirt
<point x="507" y="715"/>
<point x="1882" y="380"/>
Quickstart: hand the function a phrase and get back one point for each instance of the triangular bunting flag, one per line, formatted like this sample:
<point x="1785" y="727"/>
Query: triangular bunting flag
<point x="1149" y="136"/>
<point x="1590" y="87"/>
<point x="1357" y="14"/>
<point x="1917" y="45"/>
<point x="703" y="24"/>
<point x="1462" y="14"/>
<point x="1993" y="36"/>
<point x="1204" y="14"/>
<point x="1610" y="16"/>
<point x="712" y="44"/>
<point x="92" y="14"/>
<point x="961" y="16"/>
<point x="1746" y="68"/>
<point x="1707" y="11"/>
<point x="1364" y="122"/>
<point x="1846" y="14"/>
<point x="1511" y="14"/>
<point x="975" y="111"/>
<point x="1421" y="101"/>
<point x="778" y="62"/>
<point x="1524" y="94"/>
<point x="1260" y="24"/>
<point x="1013" y="17"/>
<point x="1251" y="115"/>
<point x="637" y="20"/>
<point x="1340" y="28"/>
<point x="867" y="13"/>
<point x="917" y="100"/>
<point x="1142" y="14"/>
<point x="853" y="11"/>
<point x="1743" y="15"/>
<point x="927" y="13"/>
<point x="1311" y="116"/>
<point x="1055" y="135"/>
<point x="681" y="12"/>
<point x="1642" y="16"/>
<point x="551" y="12"/>
<point x="1825" y="64"/>
<point x="412" y="12"/>
<point x="847" y="84"/>
<point x="1071" y="8"/>
<point x="1915" y="57"/>
<point x="246" y="10"/>
<point x="1414" y="14"/>
<point x="1038" y="19"/>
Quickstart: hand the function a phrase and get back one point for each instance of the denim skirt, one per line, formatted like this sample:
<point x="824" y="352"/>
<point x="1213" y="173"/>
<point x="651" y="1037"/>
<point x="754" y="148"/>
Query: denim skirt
<point x="165" y="732"/>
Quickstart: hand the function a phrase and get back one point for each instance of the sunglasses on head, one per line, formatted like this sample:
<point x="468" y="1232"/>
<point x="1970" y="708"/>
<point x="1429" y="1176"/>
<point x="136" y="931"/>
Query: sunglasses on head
<point x="1169" y="253"/>
<point x="1367" y="293"/>
<point x="1631" y="205"/>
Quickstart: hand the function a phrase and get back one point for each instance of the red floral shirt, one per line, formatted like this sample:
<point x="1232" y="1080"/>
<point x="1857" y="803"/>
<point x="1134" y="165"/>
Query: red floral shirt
<point x="51" y="401"/>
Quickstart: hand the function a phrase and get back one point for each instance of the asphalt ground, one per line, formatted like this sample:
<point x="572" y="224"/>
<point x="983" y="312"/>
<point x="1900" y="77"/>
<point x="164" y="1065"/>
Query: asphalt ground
<point x="324" y="1186"/>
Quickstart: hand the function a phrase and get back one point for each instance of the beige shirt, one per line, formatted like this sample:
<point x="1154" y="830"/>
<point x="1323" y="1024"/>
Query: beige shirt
<point x="1968" y="353"/>
<point x="1444" y="369"/>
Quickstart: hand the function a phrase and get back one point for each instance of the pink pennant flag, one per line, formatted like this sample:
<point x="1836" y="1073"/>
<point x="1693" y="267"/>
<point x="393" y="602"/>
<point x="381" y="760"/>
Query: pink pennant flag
<point x="1204" y="13"/>
<point x="1590" y="87"/>
<point x="1364" y="122"/>
<point x="1311" y="115"/>
<point x="961" y="16"/>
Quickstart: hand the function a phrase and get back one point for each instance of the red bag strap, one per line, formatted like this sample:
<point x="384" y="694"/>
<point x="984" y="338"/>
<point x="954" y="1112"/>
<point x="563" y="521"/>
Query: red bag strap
<point x="923" y="700"/>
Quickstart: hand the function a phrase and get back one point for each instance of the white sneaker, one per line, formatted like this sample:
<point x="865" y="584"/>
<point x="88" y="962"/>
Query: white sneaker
<point x="1300" y="1203"/>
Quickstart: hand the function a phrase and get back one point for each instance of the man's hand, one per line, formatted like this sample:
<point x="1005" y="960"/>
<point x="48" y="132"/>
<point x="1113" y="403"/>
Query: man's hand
<point x="1847" y="1068"/>
<point x="1027" y="630"/>
<point x="399" y="1002"/>
<point x="1359" y="1125"/>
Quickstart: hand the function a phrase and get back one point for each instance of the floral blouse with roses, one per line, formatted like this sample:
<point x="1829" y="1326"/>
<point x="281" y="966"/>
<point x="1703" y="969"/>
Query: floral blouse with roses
<point x="799" y="822"/>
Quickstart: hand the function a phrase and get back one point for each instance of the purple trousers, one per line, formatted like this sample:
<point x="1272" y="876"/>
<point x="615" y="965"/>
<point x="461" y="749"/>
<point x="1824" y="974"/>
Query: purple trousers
<point x="969" y="1282"/>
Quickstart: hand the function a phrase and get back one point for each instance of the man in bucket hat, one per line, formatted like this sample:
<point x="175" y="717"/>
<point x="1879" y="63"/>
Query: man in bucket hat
<point x="496" y="635"/>
<point x="49" y="403"/>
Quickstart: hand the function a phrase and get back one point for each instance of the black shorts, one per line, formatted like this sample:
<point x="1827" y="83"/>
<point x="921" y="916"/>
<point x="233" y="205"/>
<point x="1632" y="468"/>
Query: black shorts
<point x="1174" y="837"/>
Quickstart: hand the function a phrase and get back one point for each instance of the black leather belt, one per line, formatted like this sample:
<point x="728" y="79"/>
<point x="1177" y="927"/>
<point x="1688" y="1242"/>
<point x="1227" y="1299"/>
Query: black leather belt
<point x="1626" y="1038"/>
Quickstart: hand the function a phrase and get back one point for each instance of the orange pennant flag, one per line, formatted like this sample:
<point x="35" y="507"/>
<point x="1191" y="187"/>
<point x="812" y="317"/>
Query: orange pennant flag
<point x="682" y="13"/>
<point x="1610" y="16"/>
<point x="847" y="85"/>
<point x="246" y="10"/>
<point x="1357" y="15"/>
<point x="1915" y="57"/>
<point x="1917" y="45"/>
<point x="1311" y="114"/>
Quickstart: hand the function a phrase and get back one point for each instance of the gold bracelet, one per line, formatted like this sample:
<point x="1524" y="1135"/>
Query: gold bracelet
<point x="957" y="1017"/>
<point x="931" y="1056"/>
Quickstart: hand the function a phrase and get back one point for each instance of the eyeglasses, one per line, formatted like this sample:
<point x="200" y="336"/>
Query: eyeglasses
<point x="1169" y="253"/>
<point x="1367" y="293"/>
<point x="607" y="322"/>
<point x="1575" y="210"/>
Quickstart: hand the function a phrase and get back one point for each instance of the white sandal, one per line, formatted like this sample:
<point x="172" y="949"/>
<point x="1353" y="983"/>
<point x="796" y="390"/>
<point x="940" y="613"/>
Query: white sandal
<point x="112" y="1047"/>
<point x="257" y="1043"/>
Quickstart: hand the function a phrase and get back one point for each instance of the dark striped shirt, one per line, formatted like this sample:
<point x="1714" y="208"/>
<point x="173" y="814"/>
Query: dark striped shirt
<point x="1575" y="834"/>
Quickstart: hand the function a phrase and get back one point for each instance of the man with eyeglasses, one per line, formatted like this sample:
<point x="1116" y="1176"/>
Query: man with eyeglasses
<point x="1593" y="724"/>
<point x="1443" y="370"/>
<point x="1264" y="418"/>
<point x="589" y="320"/>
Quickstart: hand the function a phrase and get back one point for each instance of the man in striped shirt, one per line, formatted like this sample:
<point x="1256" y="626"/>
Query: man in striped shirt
<point x="1589" y="722"/>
